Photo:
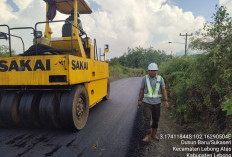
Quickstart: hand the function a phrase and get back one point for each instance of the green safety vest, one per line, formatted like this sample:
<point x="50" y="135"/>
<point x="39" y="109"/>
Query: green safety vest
<point x="151" y="93"/>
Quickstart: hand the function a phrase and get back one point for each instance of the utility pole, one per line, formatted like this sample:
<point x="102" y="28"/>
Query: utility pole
<point x="186" y="40"/>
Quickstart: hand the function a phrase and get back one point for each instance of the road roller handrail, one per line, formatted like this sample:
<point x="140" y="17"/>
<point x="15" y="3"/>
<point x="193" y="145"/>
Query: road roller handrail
<point x="9" y="37"/>
<point x="57" y="21"/>
<point x="19" y="28"/>
<point x="17" y="37"/>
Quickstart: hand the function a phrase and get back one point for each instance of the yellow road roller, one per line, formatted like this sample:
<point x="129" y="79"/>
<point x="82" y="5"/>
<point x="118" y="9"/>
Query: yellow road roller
<point x="57" y="80"/>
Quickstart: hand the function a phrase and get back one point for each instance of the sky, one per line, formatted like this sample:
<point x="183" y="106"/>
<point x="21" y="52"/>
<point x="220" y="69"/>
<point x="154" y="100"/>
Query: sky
<point x="128" y="23"/>
<point x="204" y="8"/>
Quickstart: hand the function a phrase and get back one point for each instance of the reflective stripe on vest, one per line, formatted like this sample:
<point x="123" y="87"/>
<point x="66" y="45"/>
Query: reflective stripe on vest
<point x="151" y="93"/>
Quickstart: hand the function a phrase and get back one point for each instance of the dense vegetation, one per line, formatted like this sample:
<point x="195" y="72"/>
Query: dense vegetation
<point x="140" y="58"/>
<point x="200" y="86"/>
<point x="134" y="62"/>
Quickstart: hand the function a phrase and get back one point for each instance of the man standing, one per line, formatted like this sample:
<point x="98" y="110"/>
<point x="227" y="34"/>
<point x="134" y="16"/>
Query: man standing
<point x="150" y="98"/>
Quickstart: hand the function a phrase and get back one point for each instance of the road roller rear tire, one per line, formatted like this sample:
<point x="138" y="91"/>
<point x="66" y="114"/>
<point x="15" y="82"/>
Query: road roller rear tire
<point x="1" y="123"/>
<point x="9" y="108"/>
<point x="74" y="108"/>
<point x="49" y="109"/>
<point x="28" y="109"/>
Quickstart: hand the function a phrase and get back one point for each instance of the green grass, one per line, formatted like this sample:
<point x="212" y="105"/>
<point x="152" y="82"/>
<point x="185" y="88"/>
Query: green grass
<point x="119" y="72"/>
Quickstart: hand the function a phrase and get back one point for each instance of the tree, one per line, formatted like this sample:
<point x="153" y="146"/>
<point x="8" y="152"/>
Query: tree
<point x="216" y="41"/>
<point x="139" y="57"/>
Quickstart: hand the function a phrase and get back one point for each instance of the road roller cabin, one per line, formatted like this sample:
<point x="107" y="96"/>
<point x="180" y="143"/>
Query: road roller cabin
<point x="56" y="81"/>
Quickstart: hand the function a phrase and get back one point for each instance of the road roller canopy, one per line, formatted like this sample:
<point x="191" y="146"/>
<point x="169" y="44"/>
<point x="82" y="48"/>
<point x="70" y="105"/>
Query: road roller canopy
<point x="66" y="6"/>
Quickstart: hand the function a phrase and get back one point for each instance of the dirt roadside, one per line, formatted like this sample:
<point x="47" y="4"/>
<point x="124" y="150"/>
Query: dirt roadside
<point x="162" y="148"/>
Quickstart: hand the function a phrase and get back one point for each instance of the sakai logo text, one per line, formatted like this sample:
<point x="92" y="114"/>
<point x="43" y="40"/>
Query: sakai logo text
<point x="79" y="65"/>
<point x="25" y="65"/>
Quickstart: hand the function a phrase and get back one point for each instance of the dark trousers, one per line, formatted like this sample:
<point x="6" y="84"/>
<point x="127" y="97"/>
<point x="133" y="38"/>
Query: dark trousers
<point x="151" y="115"/>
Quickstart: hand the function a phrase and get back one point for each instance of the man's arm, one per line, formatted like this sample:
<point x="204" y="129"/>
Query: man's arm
<point x="165" y="96"/>
<point x="141" y="92"/>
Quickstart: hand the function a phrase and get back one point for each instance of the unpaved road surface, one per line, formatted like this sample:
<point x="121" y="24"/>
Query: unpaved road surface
<point x="114" y="129"/>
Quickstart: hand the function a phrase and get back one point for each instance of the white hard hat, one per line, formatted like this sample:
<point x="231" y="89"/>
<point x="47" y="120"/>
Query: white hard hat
<point x="152" y="66"/>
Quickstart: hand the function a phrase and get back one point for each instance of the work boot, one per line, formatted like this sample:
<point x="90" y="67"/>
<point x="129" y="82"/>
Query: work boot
<point x="154" y="134"/>
<point x="147" y="138"/>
